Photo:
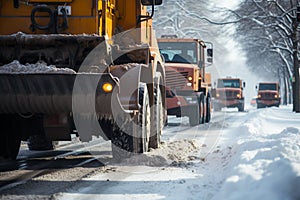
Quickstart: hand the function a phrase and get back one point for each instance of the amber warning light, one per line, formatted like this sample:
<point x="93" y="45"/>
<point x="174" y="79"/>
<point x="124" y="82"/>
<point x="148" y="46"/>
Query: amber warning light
<point x="107" y="87"/>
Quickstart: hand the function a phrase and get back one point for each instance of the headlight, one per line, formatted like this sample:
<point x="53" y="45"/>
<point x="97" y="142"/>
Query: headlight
<point x="189" y="84"/>
<point x="275" y="96"/>
<point x="217" y="95"/>
<point x="238" y="95"/>
<point x="190" y="78"/>
<point x="107" y="87"/>
<point x="259" y="96"/>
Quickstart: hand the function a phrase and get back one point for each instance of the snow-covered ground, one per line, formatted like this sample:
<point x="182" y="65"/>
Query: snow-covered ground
<point x="255" y="155"/>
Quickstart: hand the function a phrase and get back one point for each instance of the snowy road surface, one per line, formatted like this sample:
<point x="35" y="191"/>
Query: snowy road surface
<point x="239" y="155"/>
<point x="255" y="155"/>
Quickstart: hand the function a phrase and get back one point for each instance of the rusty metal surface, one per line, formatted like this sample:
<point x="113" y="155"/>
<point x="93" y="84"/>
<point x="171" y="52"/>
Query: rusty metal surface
<point x="52" y="93"/>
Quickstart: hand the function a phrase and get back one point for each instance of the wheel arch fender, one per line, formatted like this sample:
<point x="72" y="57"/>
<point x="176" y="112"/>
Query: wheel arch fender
<point x="129" y="77"/>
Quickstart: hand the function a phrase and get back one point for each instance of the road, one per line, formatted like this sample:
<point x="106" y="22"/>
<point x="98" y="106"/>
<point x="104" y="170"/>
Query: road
<point x="50" y="174"/>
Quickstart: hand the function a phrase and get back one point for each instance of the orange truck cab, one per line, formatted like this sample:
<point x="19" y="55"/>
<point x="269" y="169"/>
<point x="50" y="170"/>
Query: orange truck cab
<point x="268" y="94"/>
<point x="229" y="93"/>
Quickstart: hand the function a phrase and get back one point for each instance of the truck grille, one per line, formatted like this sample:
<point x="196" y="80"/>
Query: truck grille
<point x="176" y="80"/>
<point x="267" y="95"/>
<point x="231" y="94"/>
<point x="228" y="94"/>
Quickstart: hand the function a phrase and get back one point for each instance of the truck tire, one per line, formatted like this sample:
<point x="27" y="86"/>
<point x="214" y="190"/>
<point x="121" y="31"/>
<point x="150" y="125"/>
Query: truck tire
<point x="241" y="107"/>
<point x="158" y="122"/>
<point x="259" y="106"/>
<point x="37" y="140"/>
<point x="39" y="143"/>
<point x="202" y="108"/>
<point x="208" y="109"/>
<point x="10" y="136"/>
<point x="194" y="116"/>
<point x="132" y="138"/>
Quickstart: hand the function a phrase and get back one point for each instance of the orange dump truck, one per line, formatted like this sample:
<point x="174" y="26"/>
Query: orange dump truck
<point x="106" y="78"/>
<point x="187" y="84"/>
<point x="229" y="93"/>
<point x="268" y="94"/>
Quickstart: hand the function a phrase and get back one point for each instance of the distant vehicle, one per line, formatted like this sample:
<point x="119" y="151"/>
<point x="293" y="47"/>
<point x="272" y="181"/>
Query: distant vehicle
<point x="268" y="94"/>
<point x="229" y="93"/>
<point x="253" y="101"/>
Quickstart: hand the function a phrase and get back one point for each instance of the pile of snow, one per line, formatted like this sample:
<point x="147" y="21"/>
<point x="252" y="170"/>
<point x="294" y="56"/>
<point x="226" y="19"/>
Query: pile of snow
<point x="39" y="67"/>
<point x="170" y="153"/>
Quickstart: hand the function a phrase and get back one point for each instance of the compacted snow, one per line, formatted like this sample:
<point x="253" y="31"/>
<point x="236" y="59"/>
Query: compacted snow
<point x="256" y="155"/>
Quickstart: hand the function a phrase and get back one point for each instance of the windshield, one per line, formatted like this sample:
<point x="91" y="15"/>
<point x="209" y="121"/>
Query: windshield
<point x="179" y="52"/>
<point x="267" y="86"/>
<point x="233" y="83"/>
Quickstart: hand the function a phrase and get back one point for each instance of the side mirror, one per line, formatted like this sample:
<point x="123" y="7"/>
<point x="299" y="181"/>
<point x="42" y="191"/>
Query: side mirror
<point x="209" y="53"/>
<point x="244" y="84"/>
<point x="150" y="2"/>
<point x="256" y="87"/>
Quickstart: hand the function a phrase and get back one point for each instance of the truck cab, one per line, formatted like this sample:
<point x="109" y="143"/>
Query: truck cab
<point x="268" y="94"/>
<point x="229" y="93"/>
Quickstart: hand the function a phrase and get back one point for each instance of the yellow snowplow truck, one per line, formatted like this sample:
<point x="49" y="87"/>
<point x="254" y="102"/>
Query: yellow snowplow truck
<point x="83" y="67"/>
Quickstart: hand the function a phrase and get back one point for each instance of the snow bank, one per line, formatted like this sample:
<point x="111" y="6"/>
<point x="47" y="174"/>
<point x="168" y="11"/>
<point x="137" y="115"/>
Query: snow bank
<point x="39" y="67"/>
<point x="267" y="162"/>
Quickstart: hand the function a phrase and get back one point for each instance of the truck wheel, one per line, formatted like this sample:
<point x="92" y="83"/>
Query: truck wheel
<point x="11" y="136"/>
<point x="133" y="136"/>
<point x="194" y="116"/>
<point x="39" y="143"/>
<point x="241" y="107"/>
<point x="158" y="122"/>
<point x="202" y="108"/>
<point x="37" y="140"/>
<point x="208" y="109"/>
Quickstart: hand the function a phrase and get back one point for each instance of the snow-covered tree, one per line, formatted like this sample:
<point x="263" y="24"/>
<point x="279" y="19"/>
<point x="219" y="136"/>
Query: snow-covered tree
<point x="268" y="33"/>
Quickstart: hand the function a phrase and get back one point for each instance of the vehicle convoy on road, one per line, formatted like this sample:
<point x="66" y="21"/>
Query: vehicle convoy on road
<point x="268" y="94"/>
<point x="187" y="83"/>
<point x="104" y="74"/>
<point x="229" y="93"/>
